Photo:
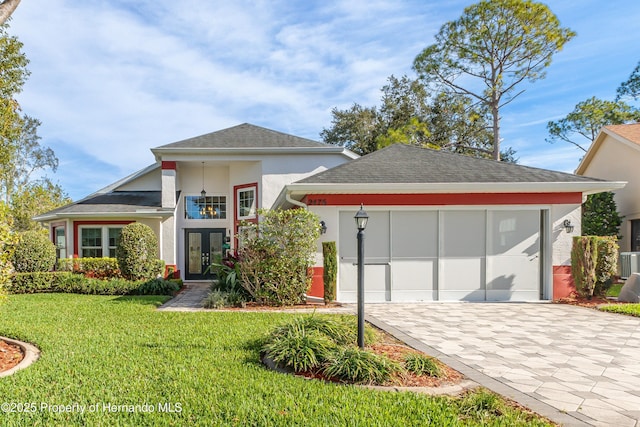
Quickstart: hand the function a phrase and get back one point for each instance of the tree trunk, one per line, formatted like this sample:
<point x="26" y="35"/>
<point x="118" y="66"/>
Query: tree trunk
<point x="495" y="112"/>
<point x="6" y="9"/>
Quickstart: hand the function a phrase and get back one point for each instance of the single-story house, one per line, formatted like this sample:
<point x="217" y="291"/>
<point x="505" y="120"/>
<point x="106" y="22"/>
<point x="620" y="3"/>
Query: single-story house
<point x="442" y="226"/>
<point x="615" y="155"/>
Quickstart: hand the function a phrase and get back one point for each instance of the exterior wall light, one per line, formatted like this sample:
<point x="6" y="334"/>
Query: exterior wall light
<point x="323" y="227"/>
<point x="568" y="226"/>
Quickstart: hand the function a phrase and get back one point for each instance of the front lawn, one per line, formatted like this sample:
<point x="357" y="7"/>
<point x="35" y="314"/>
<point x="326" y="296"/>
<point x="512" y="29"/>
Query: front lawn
<point x="124" y="363"/>
<point x="629" y="309"/>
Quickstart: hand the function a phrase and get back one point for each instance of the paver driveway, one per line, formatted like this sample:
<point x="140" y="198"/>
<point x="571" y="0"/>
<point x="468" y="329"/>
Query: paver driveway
<point x="575" y="365"/>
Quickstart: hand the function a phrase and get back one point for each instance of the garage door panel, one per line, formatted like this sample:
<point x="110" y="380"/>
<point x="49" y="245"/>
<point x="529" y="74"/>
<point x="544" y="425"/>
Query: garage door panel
<point x="477" y="295"/>
<point x="461" y="274"/>
<point x="417" y="241"/>
<point x="514" y="233"/>
<point x="513" y="273"/>
<point x="376" y="283"/>
<point x="414" y="280"/>
<point x="507" y="295"/>
<point x="463" y="234"/>
<point x="376" y="237"/>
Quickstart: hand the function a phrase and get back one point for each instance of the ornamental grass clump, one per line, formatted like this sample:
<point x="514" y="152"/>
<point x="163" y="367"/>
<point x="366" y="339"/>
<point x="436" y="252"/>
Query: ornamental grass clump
<point x="354" y="365"/>
<point x="421" y="364"/>
<point x="299" y="348"/>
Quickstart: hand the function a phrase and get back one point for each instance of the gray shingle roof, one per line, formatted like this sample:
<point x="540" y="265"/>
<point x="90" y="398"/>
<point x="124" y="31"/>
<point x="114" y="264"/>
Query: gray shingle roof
<point x="113" y="202"/>
<point x="245" y="136"/>
<point x="399" y="164"/>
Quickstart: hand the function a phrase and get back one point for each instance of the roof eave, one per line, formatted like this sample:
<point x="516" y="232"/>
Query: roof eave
<point x="159" y="152"/>
<point x="142" y="213"/>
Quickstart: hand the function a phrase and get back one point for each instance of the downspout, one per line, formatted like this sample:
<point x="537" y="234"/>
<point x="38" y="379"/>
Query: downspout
<point x="288" y="198"/>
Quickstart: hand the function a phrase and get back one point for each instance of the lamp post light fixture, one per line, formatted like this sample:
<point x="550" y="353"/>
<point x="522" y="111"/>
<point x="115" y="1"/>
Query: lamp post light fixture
<point x="361" y="222"/>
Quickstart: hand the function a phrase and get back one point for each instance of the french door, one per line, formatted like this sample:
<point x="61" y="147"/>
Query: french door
<point x="203" y="247"/>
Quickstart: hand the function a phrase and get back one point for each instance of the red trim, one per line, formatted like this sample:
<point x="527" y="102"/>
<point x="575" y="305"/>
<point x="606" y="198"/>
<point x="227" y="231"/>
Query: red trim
<point x="236" y="221"/>
<point x="430" y="199"/>
<point x="76" y="233"/>
<point x="563" y="285"/>
<point x="168" y="165"/>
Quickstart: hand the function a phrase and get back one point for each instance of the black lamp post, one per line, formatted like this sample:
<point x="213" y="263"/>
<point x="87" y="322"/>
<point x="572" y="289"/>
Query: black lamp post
<point x="361" y="222"/>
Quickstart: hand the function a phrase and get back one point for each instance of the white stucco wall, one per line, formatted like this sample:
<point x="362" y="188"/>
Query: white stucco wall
<point x="617" y="161"/>
<point x="150" y="181"/>
<point x="563" y="241"/>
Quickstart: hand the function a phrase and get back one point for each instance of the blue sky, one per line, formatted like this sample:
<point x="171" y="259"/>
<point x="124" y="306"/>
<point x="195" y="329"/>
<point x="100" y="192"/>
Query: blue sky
<point x="112" y="79"/>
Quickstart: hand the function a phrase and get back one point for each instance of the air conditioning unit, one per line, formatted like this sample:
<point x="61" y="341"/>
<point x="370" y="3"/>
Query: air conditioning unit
<point x="629" y="263"/>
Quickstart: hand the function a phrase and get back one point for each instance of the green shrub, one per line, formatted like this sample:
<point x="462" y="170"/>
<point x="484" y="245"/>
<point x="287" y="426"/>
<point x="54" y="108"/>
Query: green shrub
<point x="276" y="256"/>
<point x="359" y="366"/>
<point x="67" y="282"/>
<point x="100" y="268"/>
<point x="137" y="252"/>
<point x="7" y="239"/>
<point x="299" y="348"/>
<point x="593" y="263"/>
<point x="157" y="286"/>
<point x="421" y="364"/>
<point x="33" y="252"/>
<point x="606" y="264"/>
<point x="221" y="299"/>
<point x="330" y="272"/>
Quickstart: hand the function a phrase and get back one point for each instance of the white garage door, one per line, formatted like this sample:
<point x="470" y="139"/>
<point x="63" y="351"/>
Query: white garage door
<point x="474" y="255"/>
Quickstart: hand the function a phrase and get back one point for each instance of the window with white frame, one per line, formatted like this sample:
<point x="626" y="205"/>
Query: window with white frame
<point x="98" y="242"/>
<point x="207" y="207"/>
<point x="246" y="199"/>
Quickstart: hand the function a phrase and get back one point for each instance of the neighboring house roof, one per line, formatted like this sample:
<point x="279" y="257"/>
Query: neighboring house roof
<point x="409" y="169"/>
<point x="116" y="203"/>
<point x="248" y="138"/>
<point x="628" y="134"/>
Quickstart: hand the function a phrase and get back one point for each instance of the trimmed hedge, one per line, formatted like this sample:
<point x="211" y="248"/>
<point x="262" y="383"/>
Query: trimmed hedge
<point x="330" y="273"/>
<point x="99" y="268"/>
<point x="594" y="260"/>
<point x="67" y="282"/>
<point x="137" y="252"/>
<point x="34" y="252"/>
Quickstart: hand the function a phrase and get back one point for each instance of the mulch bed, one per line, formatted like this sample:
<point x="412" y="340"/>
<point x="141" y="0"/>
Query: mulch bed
<point x="594" y="302"/>
<point x="10" y="355"/>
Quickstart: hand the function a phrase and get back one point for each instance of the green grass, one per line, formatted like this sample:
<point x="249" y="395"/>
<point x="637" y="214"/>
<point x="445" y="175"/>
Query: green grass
<point x="121" y="351"/>
<point x="629" y="309"/>
<point x="614" y="290"/>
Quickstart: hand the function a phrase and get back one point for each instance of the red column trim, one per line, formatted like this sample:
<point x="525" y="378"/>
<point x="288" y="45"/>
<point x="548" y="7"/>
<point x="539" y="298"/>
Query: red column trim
<point x="168" y="165"/>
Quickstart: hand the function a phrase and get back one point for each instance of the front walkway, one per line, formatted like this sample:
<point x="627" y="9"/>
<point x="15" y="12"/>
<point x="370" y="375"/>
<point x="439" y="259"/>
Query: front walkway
<point x="577" y="366"/>
<point x="189" y="299"/>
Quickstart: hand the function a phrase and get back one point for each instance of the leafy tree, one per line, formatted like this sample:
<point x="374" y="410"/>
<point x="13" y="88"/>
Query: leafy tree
<point x="600" y="216"/>
<point x="6" y="9"/>
<point x="35" y="198"/>
<point x="356" y="128"/>
<point x="22" y="159"/>
<point x="492" y="48"/>
<point x="630" y="87"/>
<point x="588" y="117"/>
<point x="408" y="114"/>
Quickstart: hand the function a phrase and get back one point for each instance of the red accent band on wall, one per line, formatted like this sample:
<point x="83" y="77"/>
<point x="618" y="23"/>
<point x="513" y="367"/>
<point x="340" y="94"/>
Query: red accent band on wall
<point x="168" y="165"/>
<point x="76" y="231"/>
<point x="433" y="199"/>
<point x="563" y="285"/>
<point x="317" y="283"/>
